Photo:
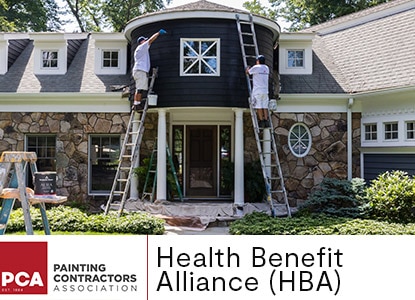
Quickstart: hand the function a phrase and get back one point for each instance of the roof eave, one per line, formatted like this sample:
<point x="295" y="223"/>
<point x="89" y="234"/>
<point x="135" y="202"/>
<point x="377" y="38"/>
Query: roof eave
<point x="201" y="14"/>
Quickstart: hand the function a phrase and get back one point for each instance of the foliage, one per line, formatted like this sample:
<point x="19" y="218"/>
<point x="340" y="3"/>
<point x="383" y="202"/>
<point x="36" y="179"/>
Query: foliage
<point x="256" y="7"/>
<point x="254" y="182"/>
<point x="392" y="197"/>
<point x="63" y="218"/>
<point x="263" y="224"/>
<point x="99" y="15"/>
<point x="35" y="15"/>
<point x="305" y="13"/>
<point x="336" y="197"/>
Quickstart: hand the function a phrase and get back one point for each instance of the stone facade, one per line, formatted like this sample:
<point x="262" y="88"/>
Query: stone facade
<point x="326" y="158"/>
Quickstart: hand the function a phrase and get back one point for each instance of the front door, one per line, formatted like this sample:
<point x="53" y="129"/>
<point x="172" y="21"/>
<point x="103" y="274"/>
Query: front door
<point x="201" y="158"/>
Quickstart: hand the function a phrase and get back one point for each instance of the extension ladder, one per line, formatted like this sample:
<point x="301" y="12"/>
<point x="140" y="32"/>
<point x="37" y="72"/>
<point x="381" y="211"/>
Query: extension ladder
<point x="129" y="154"/>
<point x="13" y="167"/>
<point x="267" y="148"/>
<point x="152" y="175"/>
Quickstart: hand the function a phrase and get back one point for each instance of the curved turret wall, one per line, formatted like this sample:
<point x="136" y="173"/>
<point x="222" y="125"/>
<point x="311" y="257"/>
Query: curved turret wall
<point x="227" y="90"/>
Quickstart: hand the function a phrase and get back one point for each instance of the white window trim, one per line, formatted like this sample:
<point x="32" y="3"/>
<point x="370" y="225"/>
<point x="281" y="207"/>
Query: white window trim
<point x="310" y="137"/>
<point x="217" y="40"/>
<point x="59" y="47"/>
<point x="406" y="130"/>
<point x="364" y="132"/>
<point x="391" y="132"/>
<point x="4" y="52"/>
<point x="380" y="121"/>
<point x="41" y="59"/>
<point x="304" y="59"/>
<point x="295" y="42"/>
<point x="102" y="58"/>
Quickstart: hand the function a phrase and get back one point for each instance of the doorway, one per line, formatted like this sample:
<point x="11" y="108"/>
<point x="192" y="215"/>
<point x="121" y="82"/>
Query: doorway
<point x="201" y="161"/>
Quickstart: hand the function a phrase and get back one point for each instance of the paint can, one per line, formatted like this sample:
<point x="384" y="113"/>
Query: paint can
<point x="272" y="105"/>
<point x="45" y="183"/>
<point x="152" y="99"/>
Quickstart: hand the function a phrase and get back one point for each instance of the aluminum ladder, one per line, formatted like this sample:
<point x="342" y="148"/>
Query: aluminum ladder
<point x="13" y="167"/>
<point x="152" y="175"/>
<point x="129" y="157"/>
<point x="268" y="155"/>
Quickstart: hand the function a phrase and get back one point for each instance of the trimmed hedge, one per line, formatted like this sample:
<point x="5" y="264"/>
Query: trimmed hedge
<point x="64" y="218"/>
<point x="263" y="224"/>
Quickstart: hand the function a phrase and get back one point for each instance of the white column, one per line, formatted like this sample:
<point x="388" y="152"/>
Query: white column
<point x="349" y="139"/>
<point x="136" y="163"/>
<point x="239" y="161"/>
<point x="161" y="156"/>
<point x="266" y="146"/>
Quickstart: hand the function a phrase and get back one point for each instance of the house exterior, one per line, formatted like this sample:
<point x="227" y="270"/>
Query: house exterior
<point x="345" y="89"/>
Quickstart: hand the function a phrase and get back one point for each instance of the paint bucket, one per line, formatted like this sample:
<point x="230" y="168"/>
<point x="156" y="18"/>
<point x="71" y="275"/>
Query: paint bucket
<point x="272" y="105"/>
<point x="152" y="99"/>
<point x="45" y="183"/>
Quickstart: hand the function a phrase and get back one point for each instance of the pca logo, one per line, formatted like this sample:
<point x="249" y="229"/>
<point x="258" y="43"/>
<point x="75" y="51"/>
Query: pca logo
<point x="23" y="268"/>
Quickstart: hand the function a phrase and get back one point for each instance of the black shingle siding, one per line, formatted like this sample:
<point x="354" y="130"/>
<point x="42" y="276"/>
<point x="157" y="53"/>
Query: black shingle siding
<point x="227" y="90"/>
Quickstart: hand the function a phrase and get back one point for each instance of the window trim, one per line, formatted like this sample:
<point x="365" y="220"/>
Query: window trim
<point x="391" y="131"/>
<point x="118" y="51"/>
<point x="371" y="133"/>
<point x="408" y="131"/>
<point x="90" y="137"/>
<point x="303" y="59"/>
<point x="310" y="138"/>
<point x="42" y="59"/>
<point x="200" y="57"/>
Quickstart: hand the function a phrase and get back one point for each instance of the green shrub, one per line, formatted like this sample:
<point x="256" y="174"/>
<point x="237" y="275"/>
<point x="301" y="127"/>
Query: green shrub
<point x="392" y="197"/>
<point x="63" y="218"/>
<point x="336" y="197"/>
<point x="263" y="224"/>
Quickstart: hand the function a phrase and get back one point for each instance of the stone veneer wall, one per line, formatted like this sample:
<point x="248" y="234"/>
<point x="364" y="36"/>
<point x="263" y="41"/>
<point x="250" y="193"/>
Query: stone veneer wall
<point x="72" y="131"/>
<point x="327" y="156"/>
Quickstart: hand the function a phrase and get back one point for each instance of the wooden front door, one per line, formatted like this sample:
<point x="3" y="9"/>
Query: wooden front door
<point x="201" y="158"/>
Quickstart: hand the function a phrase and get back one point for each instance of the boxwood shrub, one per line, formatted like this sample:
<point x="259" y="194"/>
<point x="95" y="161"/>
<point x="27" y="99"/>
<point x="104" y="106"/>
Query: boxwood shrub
<point x="64" y="218"/>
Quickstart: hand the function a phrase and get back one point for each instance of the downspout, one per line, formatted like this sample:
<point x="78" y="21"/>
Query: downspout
<point x="349" y="139"/>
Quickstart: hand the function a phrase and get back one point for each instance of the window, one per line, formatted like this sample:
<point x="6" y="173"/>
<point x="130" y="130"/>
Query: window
<point x="391" y="131"/>
<point x="49" y="59"/>
<point x="299" y="140"/>
<point x="371" y="133"/>
<point x="199" y="57"/>
<point x="410" y="130"/>
<point x="45" y="148"/>
<point x="110" y="58"/>
<point x="295" y="58"/>
<point x="103" y="156"/>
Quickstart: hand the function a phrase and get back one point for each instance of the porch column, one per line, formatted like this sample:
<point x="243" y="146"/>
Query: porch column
<point x="136" y="163"/>
<point x="161" y="156"/>
<point x="239" y="161"/>
<point x="349" y="139"/>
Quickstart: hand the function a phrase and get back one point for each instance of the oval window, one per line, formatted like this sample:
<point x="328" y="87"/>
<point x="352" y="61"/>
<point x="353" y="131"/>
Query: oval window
<point x="299" y="140"/>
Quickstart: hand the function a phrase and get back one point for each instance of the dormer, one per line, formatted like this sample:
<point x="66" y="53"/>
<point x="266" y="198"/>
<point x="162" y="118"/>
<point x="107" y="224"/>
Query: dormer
<point x="110" y="53"/>
<point x="296" y="54"/>
<point x="50" y="53"/>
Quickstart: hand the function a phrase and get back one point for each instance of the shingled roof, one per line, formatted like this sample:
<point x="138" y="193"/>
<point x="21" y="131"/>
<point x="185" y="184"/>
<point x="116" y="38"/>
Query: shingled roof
<point x="80" y="76"/>
<point x="366" y="51"/>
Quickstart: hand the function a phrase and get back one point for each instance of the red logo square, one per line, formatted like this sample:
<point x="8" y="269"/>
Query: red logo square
<point x="24" y="268"/>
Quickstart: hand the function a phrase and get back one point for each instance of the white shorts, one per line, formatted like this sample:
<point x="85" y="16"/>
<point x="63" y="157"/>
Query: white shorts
<point x="260" y="101"/>
<point x="141" y="80"/>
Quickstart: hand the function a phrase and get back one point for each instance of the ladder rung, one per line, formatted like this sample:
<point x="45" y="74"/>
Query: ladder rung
<point x="249" y="45"/>
<point x="122" y="180"/>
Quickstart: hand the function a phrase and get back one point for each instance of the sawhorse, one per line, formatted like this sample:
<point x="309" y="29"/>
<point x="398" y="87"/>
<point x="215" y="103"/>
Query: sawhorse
<point x="12" y="186"/>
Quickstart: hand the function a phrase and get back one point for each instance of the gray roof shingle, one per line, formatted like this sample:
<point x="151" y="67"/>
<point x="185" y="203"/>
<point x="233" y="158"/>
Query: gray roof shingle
<point x="80" y="76"/>
<point x="363" y="57"/>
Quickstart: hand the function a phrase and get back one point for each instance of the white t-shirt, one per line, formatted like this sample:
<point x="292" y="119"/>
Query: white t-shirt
<point x="260" y="75"/>
<point x="142" y="57"/>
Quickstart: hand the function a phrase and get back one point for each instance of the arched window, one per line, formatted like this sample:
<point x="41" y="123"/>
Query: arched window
<point x="299" y="139"/>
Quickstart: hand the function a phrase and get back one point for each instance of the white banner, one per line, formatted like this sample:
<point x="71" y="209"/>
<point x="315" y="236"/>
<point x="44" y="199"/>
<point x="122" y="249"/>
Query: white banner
<point x="202" y="266"/>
